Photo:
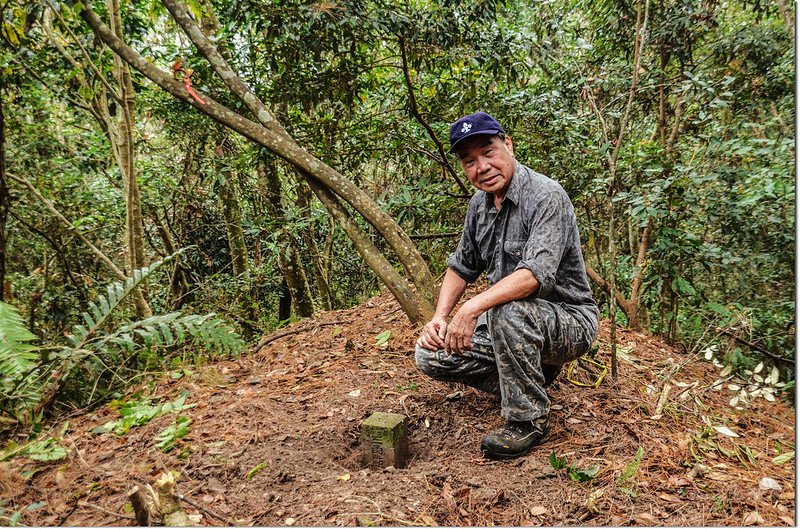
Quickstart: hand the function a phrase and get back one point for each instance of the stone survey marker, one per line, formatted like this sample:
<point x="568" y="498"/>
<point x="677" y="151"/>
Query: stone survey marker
<point x="384" y="440"/>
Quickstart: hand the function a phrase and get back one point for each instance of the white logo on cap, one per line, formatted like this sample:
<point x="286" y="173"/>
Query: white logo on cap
<point x="465" y="128"/>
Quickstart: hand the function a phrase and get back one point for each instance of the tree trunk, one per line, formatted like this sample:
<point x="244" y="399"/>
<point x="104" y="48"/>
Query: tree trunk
<point x="5" y="202"/>
<point x="289" y="260"/>
<point x="372" y="256"/>
<point x="271" y="135"/>
<point x="134" y="224"/>
<point x="233" y="228"/>
<point x="320" y="282"/>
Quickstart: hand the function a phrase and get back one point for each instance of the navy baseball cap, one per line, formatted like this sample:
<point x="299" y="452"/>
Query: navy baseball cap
<point x="472" y="125"/>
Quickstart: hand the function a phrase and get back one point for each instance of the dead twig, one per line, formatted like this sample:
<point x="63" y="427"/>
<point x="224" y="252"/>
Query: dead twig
<point x="268" y="340"/>
<point x="662" y="401"/>
<point x="211" y="513"/>
<point x="755" y="346"/>
<point x="101" y="509"/>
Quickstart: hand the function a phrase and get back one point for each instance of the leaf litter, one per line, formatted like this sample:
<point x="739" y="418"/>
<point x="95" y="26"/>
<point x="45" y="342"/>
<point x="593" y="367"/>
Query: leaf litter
<point x="272" y="436"/>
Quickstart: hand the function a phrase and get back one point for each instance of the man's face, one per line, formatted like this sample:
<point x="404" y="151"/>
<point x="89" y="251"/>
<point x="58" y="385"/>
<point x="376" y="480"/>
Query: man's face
<point x="489" y="163"/>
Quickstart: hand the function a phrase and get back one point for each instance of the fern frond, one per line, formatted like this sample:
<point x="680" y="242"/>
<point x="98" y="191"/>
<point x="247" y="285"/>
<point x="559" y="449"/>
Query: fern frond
<point x="172" y="329"/>
<point x="17" y="357"/>
<point x="116" y="293"/>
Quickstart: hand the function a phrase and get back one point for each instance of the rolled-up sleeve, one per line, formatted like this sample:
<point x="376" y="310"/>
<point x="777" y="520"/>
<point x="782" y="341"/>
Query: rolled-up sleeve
<point x="552" y="220"/>
<point x="466" y="261"/>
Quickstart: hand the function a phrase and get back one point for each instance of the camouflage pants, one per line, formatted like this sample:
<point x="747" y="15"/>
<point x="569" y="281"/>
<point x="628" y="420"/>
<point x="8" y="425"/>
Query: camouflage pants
<point x="509" y="346"/>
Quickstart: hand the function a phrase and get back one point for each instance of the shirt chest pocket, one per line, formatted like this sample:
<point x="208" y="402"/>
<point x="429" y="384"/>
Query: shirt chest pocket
<point x="514" y="249"/>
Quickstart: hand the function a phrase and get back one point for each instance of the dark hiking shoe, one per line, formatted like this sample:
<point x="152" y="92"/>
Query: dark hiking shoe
<point x="515" y="438"/>
<point x="551" y="372"/>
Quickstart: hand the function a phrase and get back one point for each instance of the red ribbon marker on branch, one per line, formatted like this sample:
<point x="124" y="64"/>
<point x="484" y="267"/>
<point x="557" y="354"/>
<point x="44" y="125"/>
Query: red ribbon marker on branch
<point x="185" y="75"/>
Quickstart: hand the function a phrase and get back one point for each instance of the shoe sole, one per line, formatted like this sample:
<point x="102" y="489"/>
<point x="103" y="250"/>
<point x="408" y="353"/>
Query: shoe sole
<point x="494" y="455"/>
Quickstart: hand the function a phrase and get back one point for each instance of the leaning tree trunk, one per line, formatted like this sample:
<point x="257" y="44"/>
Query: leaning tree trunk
<point x="271" y="135"/>
<point x="371" y="254"/>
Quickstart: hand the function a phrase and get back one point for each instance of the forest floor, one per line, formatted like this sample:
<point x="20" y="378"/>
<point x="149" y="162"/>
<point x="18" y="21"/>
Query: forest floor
<point x="273" y="441"/>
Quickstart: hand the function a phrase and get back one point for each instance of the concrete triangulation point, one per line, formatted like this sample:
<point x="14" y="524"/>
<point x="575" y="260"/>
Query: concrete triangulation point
<point x="384" y="440"/>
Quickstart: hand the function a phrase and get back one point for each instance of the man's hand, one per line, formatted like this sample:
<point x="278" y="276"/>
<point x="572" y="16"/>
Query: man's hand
<point x="433" y="334"/>
<point x="459" y="334"/>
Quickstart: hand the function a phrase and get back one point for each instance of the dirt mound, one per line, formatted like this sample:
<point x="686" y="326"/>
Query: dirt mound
<point x="273" y="440"/>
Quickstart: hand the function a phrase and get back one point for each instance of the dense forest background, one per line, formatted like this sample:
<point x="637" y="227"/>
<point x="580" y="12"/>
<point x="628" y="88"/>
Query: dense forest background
<point x="257" y="161"/>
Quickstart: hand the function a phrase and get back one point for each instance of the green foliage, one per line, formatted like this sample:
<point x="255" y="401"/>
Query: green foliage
<point x="95" y="355"/>
<point x="14" y="519"/>
<point x="383" y="338"/>
<point x="626" y="481"/>
<point x="557" y="462"/>
<point x="45" y="449"/>
<point x="18" y="357"/>
<point x="142" y="412"/>
<point x="253" y="472"/>
<point x="170" y="435"/>
<point x="581" y="475"/>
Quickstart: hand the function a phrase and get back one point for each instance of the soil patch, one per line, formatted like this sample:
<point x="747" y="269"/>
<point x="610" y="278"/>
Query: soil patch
<point x="273" y="441"/>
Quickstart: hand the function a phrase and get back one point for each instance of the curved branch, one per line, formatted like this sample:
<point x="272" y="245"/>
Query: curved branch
<point x="418" y="116"/>
<point x="51" y="208"/>
<point x="272" y="137"/>
<point x="606" y="286"/>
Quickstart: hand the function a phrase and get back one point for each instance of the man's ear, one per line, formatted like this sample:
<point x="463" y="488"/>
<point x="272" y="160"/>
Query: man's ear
<point x="510" y="145"/>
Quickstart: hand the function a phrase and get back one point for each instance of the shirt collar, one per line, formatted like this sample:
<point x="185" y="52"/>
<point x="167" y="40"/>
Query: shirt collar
<point x="513" y="188"/>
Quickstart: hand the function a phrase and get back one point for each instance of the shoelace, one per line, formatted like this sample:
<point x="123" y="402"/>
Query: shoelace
<point x="516" y="428"/>
<point x="511" y="430"/>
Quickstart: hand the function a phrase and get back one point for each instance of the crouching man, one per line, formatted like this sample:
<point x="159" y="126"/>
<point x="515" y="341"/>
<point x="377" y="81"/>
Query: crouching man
<point x="538" y="312"/>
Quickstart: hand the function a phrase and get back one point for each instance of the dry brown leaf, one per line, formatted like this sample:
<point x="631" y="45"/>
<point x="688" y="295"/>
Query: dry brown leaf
<point x="427" y="520"/>
<point x="539" y="510"/>
<point x="678" y="482"/>
<point x="670" y="497"/>
<point x="753" y="518"/>
<point x="645" y="518"/>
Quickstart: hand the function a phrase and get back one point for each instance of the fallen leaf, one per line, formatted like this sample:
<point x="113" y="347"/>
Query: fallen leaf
<point x="753" y="518"/>
<point x="678" y="482"/>
<point x="594" y="497"/>
<point x="427" y="520"/>
<point x="355" y="393"/>
<point x="645" y="519"/>
<point x="538" y="510"/>
<point x="289" y="521"/>
<point x="783" y="458"/>
<point x="724" y="430"/>
<point x="572" y="420"/>
<point x="343" y="477"/>
<point x="670" y="497"/>
<point x="788" y="521"/>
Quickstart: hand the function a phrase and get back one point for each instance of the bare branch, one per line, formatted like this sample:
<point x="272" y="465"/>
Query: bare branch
<point x="412" y="98"/>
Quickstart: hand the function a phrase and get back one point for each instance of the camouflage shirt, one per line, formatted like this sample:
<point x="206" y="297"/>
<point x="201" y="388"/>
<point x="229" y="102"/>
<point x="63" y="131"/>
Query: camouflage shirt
<point x="535" y="229"/>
